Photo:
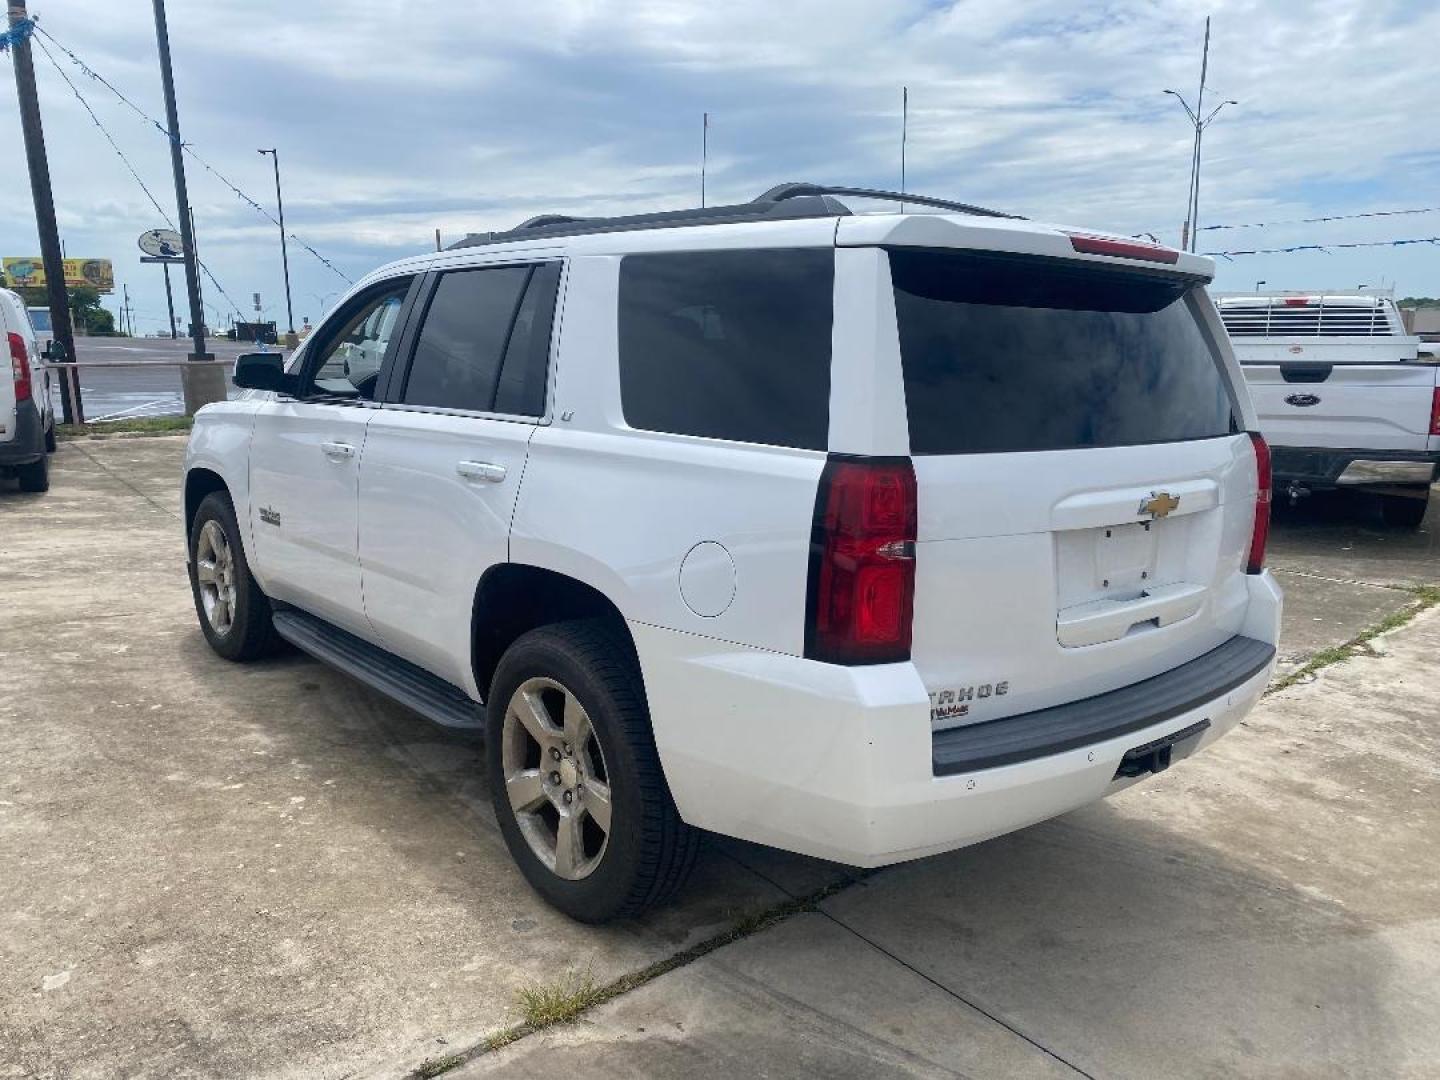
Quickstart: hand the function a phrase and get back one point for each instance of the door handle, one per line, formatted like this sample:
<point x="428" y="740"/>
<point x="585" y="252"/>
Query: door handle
<point x="338" y="451"/>
<point x="481" y="470"/>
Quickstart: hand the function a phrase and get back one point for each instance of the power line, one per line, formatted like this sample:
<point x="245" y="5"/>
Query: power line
<point x="1230" y="255"/>
<point x="138" y="111"/>
<point x="121" y="155"/>
<point x="1328" y="217"/>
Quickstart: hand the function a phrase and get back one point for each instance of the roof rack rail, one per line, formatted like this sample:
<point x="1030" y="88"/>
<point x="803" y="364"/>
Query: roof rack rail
<point x="784" y="202"/>
<point x="799" y="190"/>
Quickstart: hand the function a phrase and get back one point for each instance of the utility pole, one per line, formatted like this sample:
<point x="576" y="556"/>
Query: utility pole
<point x="290" y="341"/>
<point x="207" y="384"/>
<point x="51" y="253"/>
<point x="126" y="317"/>
<point x="704" y="153"/>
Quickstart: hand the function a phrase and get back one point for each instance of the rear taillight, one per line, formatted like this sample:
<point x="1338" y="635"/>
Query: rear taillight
<point x="862" y="564"/>
<point x="20" y="367"/>
<point x="1260" y="534"/>
<point x="1435" y="413"/>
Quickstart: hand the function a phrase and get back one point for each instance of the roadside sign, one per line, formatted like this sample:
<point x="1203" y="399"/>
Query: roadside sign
<point x="28" y="272"/>
<point x="162" y="242"/>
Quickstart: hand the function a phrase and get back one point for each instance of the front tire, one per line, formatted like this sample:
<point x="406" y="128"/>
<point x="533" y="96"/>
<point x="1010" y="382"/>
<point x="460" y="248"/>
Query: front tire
<point x="1405" y="511"/>
<point x="34" y="477"/>
<point x="575" y="778"/>
<point x="234" y="614"/>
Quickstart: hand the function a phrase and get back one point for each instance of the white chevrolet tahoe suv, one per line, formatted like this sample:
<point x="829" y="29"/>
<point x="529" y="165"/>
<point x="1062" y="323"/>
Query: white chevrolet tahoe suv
<point x="1343" y="394"/>
<point x="866" y="536"/>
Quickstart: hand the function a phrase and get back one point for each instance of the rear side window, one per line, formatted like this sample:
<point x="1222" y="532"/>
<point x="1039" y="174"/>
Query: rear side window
<point x="484" y="342"/>
<point x="1006" y="354"/>
<point x="728" y="344"/>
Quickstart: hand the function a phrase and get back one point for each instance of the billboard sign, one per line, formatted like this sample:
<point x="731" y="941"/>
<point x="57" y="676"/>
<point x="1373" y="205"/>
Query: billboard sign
<point x="162" y="243"/>
<point x="28" y="272"/>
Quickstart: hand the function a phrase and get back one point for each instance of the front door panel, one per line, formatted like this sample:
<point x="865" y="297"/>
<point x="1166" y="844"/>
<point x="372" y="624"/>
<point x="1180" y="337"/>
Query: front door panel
<point x="304" y="464"/>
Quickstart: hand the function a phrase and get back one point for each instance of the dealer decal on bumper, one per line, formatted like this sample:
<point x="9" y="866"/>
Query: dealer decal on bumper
<point x="948" y="704"/>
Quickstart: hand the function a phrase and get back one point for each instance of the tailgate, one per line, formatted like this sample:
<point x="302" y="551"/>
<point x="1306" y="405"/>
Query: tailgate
<point x="1086" y="494"/>
<point x="1344" y="405"/>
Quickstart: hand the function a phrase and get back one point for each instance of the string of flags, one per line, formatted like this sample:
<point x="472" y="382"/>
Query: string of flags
<point x="134" y="175"/>
<point x="1328" y="217"/>
<point x="1230" y="256"/>
<point x="14" y="35"/>
<point x="163" y="130"/>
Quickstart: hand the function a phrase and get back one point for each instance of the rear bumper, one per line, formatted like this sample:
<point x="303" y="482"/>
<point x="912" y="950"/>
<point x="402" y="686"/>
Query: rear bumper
<point x="841" y="763"/>
<point x="1319" y="467"/>
<point x="28" y="444"/>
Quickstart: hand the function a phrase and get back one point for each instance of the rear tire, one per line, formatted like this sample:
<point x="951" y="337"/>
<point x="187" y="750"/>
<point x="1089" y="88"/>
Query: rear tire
<point x="234" y="614"/>
<point x="567" y="721"/>
<point x="1405" y="511"/>
<point x="35" y="476"/>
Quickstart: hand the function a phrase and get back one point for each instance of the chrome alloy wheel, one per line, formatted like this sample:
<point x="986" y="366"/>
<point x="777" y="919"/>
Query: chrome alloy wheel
<point x="215" y="573"/>
<point x="556" y="779"/>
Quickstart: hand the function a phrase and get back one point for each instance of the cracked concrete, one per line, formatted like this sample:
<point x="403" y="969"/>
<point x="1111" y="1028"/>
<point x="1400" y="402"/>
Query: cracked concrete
<point x="269" y="871"/>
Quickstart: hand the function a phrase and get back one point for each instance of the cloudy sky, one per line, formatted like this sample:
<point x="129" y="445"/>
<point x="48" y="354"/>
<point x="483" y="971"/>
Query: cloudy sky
<point x="395" y="119"/>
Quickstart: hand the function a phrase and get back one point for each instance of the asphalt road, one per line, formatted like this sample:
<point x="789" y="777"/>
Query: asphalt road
<point x="130" y="391"/>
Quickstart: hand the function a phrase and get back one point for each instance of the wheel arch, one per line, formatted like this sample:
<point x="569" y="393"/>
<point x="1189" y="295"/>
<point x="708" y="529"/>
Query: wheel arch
<point x="512" y="599"/>
<point x="200" y="482"/>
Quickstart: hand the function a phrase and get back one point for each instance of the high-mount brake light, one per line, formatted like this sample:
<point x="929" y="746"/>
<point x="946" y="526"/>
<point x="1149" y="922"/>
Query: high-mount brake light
<point x="861" y="598"/>
<point x="20" y="367"/>
<point x="1123" y="249"/>
<point x="1298" y="301"/>
<point x="1260" y="534"/>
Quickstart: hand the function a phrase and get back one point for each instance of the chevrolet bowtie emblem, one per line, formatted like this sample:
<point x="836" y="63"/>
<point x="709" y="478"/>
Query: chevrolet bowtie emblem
<point x="1159" y="504"/>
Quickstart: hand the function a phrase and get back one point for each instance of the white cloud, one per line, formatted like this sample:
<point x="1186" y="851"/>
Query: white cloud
<point x="395" y="119"/>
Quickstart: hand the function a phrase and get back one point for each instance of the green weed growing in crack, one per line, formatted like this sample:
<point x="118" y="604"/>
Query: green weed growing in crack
<point x="1425" y="597"/>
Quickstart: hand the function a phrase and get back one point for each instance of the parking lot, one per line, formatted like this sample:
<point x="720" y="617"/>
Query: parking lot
<point x="217" y="870"/>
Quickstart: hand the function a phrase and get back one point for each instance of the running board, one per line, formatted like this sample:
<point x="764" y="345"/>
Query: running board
<point x="432" y="697"/>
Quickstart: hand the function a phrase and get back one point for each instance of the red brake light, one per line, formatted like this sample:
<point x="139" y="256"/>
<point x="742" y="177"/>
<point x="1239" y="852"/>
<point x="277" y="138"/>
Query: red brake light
<point x="1124" y="249"/>
<point x="1435" y="413"/>
<point x="862" y="565"/>
<point x="1260" y="534"/>
<point x="20" y="367"/>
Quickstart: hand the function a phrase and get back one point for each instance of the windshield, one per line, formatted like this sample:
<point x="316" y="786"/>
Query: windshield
<point x="1010" y="353"/>
<point x="40" y="320"/>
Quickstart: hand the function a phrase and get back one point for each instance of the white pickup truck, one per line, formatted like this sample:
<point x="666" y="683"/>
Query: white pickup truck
<point x="1345" y="397"/>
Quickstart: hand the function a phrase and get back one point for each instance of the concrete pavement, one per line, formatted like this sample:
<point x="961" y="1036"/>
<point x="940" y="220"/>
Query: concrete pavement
<point x="209" y="869"/>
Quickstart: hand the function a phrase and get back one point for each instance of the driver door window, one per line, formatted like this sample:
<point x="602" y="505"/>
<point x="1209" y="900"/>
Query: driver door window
<point x="348" y="364"/>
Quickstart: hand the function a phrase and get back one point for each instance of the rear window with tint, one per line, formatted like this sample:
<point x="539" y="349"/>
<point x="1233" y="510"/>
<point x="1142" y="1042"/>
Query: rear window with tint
<point x="728" y="344"/>
<point x="1005" y="353"/>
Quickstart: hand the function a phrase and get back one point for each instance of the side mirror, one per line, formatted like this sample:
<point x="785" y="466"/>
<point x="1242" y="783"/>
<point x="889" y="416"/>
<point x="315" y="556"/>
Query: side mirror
<point x="264" y="371"/>
<point x="53" y="351"/>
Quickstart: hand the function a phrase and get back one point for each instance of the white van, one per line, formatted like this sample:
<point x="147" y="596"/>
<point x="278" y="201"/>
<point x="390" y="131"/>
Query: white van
<point x="27" y="417"/>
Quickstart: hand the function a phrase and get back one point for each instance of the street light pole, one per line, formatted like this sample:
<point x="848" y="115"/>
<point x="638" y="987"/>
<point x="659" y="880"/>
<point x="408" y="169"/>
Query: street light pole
<point x="284" y="252"/>
<point x="1191" y="229"/>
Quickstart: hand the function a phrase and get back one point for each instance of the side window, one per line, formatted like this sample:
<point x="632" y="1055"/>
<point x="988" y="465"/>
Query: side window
<point x="348" y="363"/>
<point x="461" y="346"/>
<point x="729" y="344"/>
<point x="527" y="358"/>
